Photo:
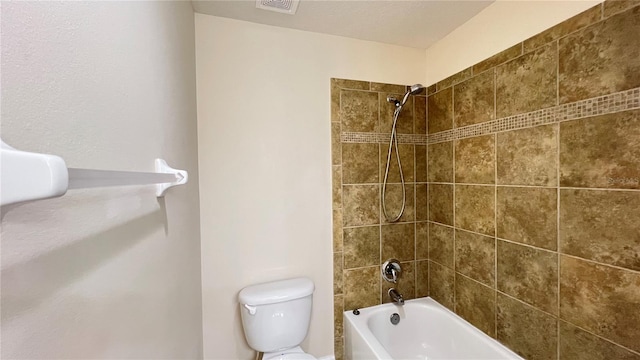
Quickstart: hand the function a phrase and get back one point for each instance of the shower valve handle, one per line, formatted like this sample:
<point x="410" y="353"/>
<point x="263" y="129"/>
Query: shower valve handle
<point x="391" y="270"/>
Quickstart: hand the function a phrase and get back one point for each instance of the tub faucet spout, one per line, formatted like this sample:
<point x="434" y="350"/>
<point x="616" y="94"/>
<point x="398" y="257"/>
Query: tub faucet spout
<point x="396" y="297"/>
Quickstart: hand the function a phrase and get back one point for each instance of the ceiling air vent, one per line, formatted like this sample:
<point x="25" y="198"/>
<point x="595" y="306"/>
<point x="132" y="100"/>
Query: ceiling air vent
<point x="281" y="6"/>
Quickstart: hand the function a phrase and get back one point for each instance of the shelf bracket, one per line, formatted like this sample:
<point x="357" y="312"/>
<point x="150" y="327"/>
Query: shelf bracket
<point x="182" y="177"/>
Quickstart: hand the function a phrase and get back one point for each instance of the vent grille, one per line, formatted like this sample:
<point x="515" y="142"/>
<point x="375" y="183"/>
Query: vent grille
<point x="281" y="6"/>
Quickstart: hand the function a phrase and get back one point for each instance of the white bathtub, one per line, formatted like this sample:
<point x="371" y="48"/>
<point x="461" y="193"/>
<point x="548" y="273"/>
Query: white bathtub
<point x="427" y="330"/>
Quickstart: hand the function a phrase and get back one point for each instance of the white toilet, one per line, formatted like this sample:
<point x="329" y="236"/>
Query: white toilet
<point x="276" y="316"/>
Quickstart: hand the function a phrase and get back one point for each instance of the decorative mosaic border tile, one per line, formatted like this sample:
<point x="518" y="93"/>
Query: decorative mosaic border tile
<point x="382" y="138"/>
<point x="606" y="104"/>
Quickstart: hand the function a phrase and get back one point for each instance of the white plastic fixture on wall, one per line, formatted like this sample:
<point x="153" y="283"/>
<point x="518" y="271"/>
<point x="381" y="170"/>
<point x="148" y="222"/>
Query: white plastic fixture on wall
<point x="27" y="176"/>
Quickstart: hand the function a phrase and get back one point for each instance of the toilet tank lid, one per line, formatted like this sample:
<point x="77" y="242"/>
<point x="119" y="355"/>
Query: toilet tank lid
<point x="276" y="291"/>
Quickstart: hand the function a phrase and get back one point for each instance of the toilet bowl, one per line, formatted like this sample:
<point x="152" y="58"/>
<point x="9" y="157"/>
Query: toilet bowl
<point x="276" y="317"/>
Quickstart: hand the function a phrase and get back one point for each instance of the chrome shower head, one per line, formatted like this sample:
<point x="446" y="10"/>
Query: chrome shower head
<point x="413" y="90"/>
<point x="416" y="89"/>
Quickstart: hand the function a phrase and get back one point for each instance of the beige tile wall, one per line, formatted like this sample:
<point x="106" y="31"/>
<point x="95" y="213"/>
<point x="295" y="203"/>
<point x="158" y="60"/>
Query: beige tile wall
<point x="362" y="238"/>
<point x="534" y="207"/>
<point x="527" y="221"/>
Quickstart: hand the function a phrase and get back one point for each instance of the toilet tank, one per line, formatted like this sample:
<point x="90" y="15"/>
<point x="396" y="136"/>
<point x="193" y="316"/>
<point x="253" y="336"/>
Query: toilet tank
<point x="276" y="315"/>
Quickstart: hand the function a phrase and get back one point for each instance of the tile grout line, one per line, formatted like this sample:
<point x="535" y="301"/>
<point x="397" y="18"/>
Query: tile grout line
<point x="342" y="285"/>
<point x="599" y="336"/>
<point x="536" y="247"/>
<point x="380" y="215"/>
<point x="495" y="210"/>
<point x="558" y="201"/>
<point x="512" y="186"/>
<point x="415" y="210"/>
<point x="453" y="162"/>
<point x="557" y="63"/>
<point x="539" y="248"/>
<point x="383" y="224"/>
<point x="620" y="268"/>
<point x="495" y="232"/>
<point x="557" y="317"/>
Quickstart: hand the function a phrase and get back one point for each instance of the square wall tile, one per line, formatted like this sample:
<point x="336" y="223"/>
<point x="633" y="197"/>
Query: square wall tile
<point x="398" y="242"/>
<point x="440" y="111"/>
<point x="337" y="273"/>
<point x="601" y="226"/>
<point x="421" y="163"/>
<point x="420" y="113"/>
<point x="441" y="285"/>
<point x="527" y="83"/>
<point x="406" y="158"/>
<point x="336" y="146"/>
<point x="405" y="122"/>
<point x="601" y="151"/>
<point x="335" y="102"/>
<point x="359" y="163"/>
<point x="612" y="7"/>
<point x="337" y="229"/>
<point x="601" y="58"/>
<point x="601" y="299"/>
<point x="338" y="348"/>
<point x="576" y="343"/>
<point x="361" y="246"/>
<point x="473" y="100"/>
<point x="361" y="287"/>
<point x="349" y="84"/>
<point x="361" y="204"/>
<point x="528" y="215"/>
<point x="338" y="309"/>
<point x="359" y="110"/>
<point x="440" y="159"/>
<point x="393" y="203"/>
<point x="441" y="245"/>
<point x="475" y="208"/>
<point x="528" y="156"/>
<point x="476" y="303"/>
<point x="336" y="186"/>
<point x="475" y="160"/>
<point x="421" y="202"/>
<point x="392" y="88"/>
<point x="422" y="278"/>
<point x="499" y="58"/>
<point x="527" y="331"/>
<point x="455" y="78"/>
<point x="422" y="240"/>
<point x="529" y="274"/>
<point x="476" y="256"/>
<point x="441" y="203"/>
<point x="566" y="27"/>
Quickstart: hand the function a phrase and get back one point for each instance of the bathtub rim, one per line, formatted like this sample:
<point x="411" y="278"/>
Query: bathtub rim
<point x="358" y="324"/>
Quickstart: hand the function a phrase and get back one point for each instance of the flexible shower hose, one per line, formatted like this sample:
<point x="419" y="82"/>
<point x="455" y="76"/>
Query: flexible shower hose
<point x="393" y="141"/>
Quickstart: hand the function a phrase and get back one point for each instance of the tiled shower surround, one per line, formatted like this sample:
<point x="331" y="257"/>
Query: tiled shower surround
<point x="363" y="239"/>
<point x="523" y="177"/>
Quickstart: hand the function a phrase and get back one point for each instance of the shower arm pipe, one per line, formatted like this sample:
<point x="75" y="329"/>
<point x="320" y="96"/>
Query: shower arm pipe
<point x="28" y="176"/>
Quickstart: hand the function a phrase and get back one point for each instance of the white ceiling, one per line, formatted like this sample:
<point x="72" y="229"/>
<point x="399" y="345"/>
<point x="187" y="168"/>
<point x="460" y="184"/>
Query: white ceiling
<point x="416" y="23"/>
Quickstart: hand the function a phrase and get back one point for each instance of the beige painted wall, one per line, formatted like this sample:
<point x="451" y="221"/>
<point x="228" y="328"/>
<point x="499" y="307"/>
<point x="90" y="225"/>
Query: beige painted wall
<point x="102" y="273"/>
<point x="265" y="168"/>
<point x="501" y="25"/>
